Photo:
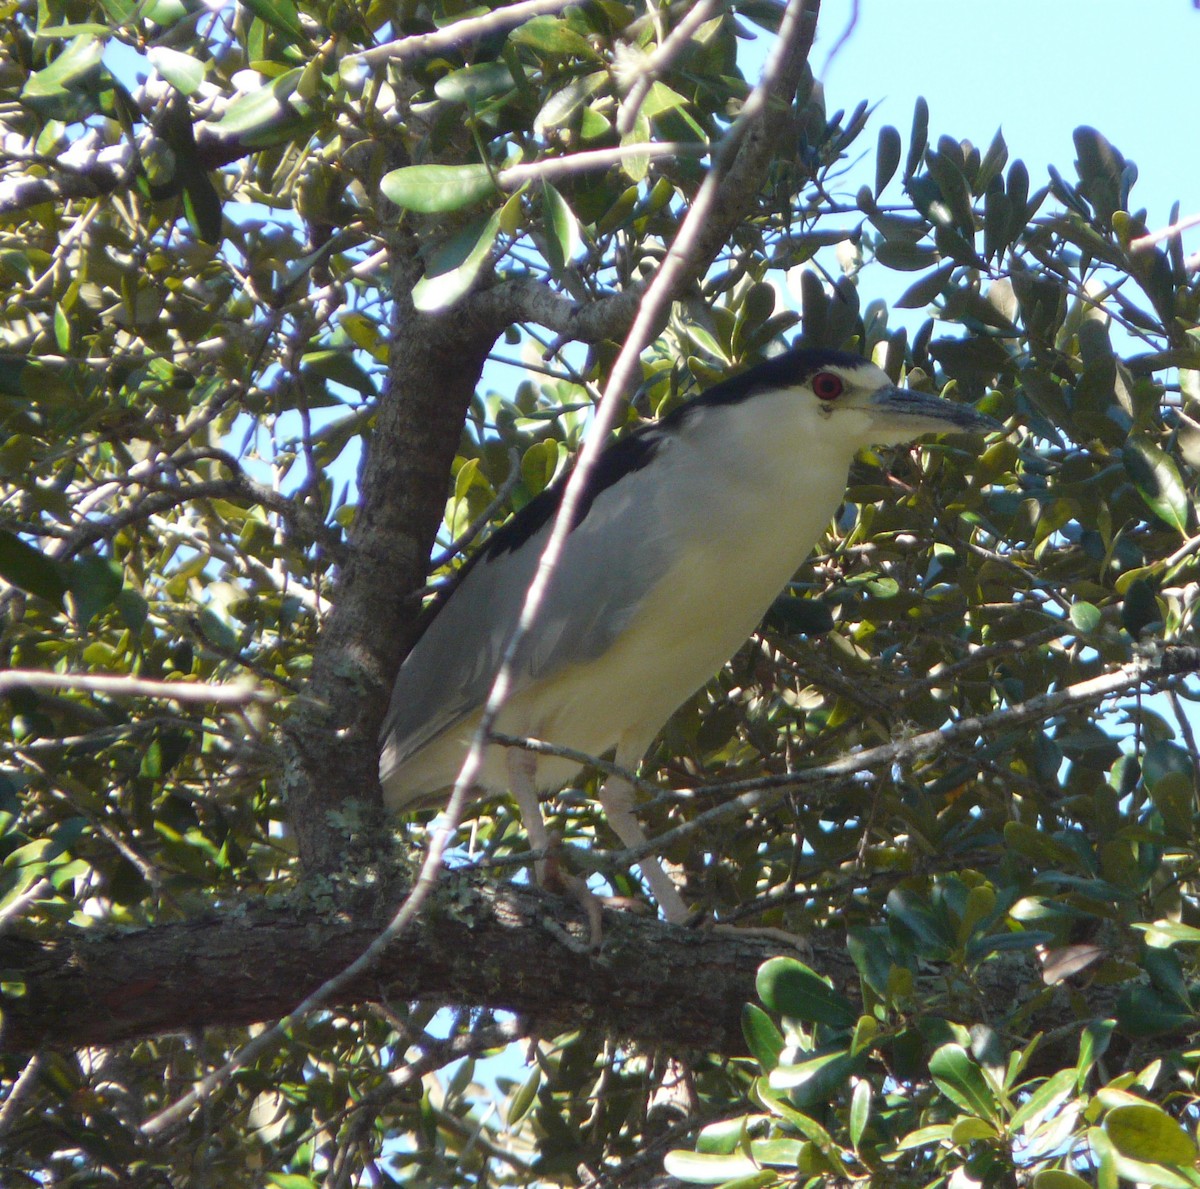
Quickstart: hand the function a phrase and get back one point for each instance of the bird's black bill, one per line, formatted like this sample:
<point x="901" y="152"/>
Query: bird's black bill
<point x="942" y="416"/>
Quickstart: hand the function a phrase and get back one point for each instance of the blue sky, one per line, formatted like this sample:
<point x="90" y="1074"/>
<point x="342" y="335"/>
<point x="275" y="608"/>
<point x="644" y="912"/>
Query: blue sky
<point x="1037" y="69"/>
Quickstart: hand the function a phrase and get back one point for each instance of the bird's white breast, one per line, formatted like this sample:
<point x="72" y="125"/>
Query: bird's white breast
<point x="735" y="501"/>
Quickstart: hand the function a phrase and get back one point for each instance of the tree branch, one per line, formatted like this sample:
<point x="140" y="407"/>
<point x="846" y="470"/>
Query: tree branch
<point x="122" y="686"/>
<point x="498" y="947"/>
<point x="1174" y="660"/>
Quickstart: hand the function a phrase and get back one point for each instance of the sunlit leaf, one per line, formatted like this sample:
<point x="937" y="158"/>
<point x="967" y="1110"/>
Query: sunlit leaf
<point x="280" y="14"/>
<point x="1147" y="1133"/>
<point x="790" y="989"/>
<point x="69" y="69"/>
<point x="698" y="1168"/>
<point x="963" y="1082"/>
<point x="183" y="71"/>
<point x="765" y="1040"/>
<point x="1157" y="480"/>
<point x="435" y="189"/>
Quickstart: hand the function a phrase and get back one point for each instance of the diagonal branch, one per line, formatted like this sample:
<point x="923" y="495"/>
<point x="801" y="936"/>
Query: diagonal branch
<point x="1174" y="660"/>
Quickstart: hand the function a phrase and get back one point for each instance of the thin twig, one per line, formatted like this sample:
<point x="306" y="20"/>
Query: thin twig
<point x="459" y="544"/>
<point x="1144" y="243"/>
<point x="516" y="176"/>
<point x="766" y="790"/>
<point x="651" y="66"/>
<point x="20" y="1088"/>
<point x="582" y="758"/>
<point x="13" y="909"/>
<point x="424" y="45"/>
<point x="237" y="693"/>
<point x="843" y="38"/>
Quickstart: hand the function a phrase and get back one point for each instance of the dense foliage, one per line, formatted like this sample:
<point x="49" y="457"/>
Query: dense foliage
<point x="232" y="239"/>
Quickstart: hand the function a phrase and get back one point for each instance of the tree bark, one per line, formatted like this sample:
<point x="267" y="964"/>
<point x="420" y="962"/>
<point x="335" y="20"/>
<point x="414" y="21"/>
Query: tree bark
<point x="504" y="947"/>
<point x="507" y="947"/>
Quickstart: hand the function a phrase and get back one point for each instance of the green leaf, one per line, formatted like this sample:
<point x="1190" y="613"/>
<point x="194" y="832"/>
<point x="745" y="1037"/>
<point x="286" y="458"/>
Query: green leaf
<point x="1164" y="934"/>
<point x="563" y="105"/>
<point x="474" y="83"/>
<point x="1139" y="607"/>
<point x="1046" y="1098"/>
<point x="1056" y="1178"/>
<point x="538" y="465"/>
<point x="280" y="14"/>
<point x="723" y="1137"/>
<point x="997" y="218"/>
<point x="1092" y="1046"/>
<point x="62" y="328"/>
<point x="779" y="1153"/>
<point x="214" y="629"/>
<point x="445" y="281"/>
<point x="698" y="1168"/>
<point x="815" y="1081"/>
<point x="523" y="1099"/>
<point x="967" y="1129"/>
<point x="661" y="98"/>
<point x="340" y="366"/>
<point x="268" y="115"/>
<point x="80" y="59"/>
<point x="563" y="238"/>
<point x="1148" y="1133"/>
<point x="860" y="1110"/>
<point x="903" y="256"/>
<point x="993" y="163"/>
<point x="552" y="35"/>
<point x="791" y="990"/>
<point x="62" y="32"/>
<point x="1144" y="1011"/>
<point x="887" y="157"/>
<point x="182" y="71"/>
<point x="924" y="1137"/>
<point x="963" y="1082"/>
<point x="290" y="1180"/>
<point x="30" y="570"/>
<point x="1142" y="1173"/>
<point x="764" y="1039"/>
<point x="1100" y="167"/>
<point x="133" y="608"/>
<point x="1157" y="480"/>
<point x="94" y="583"/>
<point x="920" y="136"/>
<point x="435" y="189"/>
<point x="202" y="206"/>
<point x="981" y="901"/>
<point x="1085" y="616"/>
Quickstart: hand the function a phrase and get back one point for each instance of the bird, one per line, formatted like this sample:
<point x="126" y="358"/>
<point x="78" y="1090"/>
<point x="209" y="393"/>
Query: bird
<point x="688" y="529"/>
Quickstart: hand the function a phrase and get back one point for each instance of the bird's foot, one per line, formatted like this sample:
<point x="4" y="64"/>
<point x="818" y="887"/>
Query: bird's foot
<point x="553" y="878"/>
<point x="766" y="932"/>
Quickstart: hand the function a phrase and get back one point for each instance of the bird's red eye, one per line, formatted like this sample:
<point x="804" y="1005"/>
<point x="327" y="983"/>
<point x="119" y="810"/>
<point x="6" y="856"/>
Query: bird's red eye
<point x="827" y="386"/>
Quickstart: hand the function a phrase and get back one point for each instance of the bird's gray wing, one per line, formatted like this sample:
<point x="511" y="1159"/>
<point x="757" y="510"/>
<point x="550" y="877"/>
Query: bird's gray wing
<point x="609" y="561"/>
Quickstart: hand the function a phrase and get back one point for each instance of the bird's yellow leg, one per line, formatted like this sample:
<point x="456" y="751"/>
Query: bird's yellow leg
<point x="522" y="770"/>
<point x="617" y="798"/>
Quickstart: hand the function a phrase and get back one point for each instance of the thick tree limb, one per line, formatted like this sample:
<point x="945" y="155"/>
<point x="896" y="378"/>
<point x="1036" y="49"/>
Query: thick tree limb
<point x="504" y="947"/>
<point x="501" y="947"/>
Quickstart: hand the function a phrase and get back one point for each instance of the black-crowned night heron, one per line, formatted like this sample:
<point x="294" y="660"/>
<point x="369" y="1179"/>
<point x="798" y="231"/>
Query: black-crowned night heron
<point x="688" y="531"/>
